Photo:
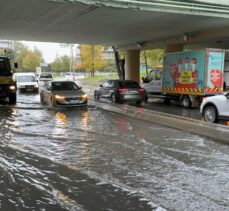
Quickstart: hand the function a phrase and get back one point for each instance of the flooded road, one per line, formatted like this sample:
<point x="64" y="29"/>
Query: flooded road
<point x="89" y="159"/>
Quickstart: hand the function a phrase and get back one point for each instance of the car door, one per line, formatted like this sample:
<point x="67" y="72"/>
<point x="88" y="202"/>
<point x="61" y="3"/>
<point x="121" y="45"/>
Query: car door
<point x="112" y="86"/>
<point x="106" y="89"/>
<point x="223" y="106"/>
<point x="152" y="83"/>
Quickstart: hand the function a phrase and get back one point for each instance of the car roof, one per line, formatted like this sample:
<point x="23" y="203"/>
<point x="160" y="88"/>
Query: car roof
<point x="46" y="73"/>
<point x="62" y="81"/>
<point x="19" y="74"/>
<point x="119" y="80"/>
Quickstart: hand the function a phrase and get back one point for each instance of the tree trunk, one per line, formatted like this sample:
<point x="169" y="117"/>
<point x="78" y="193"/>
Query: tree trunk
<point x="117" y="62"/>
<point x="146" y="62"/>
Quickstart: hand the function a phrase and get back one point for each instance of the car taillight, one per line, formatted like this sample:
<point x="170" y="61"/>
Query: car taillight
<point x="122" y="90"/>
<point x="141" y="90"/>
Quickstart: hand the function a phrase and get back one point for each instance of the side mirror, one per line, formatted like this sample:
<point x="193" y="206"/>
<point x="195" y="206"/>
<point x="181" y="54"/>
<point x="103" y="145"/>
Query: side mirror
<point x="15" y="65"/>
<point x="80" y="87"/>
<point x="100" y="85"/>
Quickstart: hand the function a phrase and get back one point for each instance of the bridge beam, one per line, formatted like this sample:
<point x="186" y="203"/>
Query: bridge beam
<point x="132" y="62"/>
<point x="171" y="48"/>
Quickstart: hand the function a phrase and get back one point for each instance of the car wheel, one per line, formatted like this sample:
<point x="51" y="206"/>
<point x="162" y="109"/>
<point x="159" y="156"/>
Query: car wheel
<point x="42" y="99"/>
<point x="140" y="102"/>
<point x="210" y="114"/>
<point x="114" y="98"/>
<point x="52" y="103"/>
<point x="166" y="102"/>
<point x="96" y="96"/>
<point x="186" y="101"/>
<point x="12" y="98"/>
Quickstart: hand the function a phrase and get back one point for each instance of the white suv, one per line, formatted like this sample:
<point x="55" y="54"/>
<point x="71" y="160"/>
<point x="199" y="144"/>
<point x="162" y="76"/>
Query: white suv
<point x="215" y="108"/>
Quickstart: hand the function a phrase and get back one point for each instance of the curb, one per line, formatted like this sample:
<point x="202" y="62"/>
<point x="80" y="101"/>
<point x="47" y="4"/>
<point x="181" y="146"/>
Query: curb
<point x="217" y="132"/>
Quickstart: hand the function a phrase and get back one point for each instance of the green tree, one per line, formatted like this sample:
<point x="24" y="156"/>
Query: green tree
<point x="152" y="58"/>
<point x="56" y="65"/>
<point x="20" y="51"/>
<point x="32" y="60"/>
<point x="66" y="63"/>
<point x="61" y="64"/>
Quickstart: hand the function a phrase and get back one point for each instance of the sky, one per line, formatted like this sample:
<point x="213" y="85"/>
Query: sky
<point x="50" y="50"/>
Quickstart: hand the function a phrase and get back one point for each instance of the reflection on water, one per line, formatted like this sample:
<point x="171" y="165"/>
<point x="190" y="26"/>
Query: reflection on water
<point x="84" y="120"/>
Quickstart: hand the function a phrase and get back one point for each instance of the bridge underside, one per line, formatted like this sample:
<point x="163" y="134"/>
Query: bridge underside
<point x="113" y="23"/>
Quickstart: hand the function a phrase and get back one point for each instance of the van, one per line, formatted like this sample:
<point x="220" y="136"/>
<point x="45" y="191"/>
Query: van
<point x="26" y="82"/>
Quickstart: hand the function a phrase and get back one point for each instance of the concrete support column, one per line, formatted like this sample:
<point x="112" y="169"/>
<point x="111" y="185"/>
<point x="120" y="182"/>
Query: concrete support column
<point x="171" y="48"/>
<point x="132" y="62"/>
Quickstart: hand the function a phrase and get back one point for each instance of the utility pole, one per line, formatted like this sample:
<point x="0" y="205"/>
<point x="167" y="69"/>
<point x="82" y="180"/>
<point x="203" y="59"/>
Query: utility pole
<point x="71" y="62"/>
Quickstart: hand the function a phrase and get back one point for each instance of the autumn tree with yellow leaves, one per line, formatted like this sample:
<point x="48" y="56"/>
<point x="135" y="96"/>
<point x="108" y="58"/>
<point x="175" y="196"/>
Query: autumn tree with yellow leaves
<point x="92" y="58"/>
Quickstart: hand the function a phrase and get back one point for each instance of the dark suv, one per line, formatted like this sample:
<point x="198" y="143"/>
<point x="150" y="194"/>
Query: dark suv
<point x="121" y="91"/>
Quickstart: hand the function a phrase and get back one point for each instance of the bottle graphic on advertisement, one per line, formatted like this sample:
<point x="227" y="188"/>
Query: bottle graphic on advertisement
<point x="186" y="66"/>
<point x="178" y="78"/>
<point x="194" y="72"/>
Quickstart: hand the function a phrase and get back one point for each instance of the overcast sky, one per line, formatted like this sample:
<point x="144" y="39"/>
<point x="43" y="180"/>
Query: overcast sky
<point x="49" y="50"/>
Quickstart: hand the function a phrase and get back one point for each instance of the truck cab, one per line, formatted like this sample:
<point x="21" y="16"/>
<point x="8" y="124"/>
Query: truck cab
<point x="7" y="84"/>
<point x="152" y="82"/>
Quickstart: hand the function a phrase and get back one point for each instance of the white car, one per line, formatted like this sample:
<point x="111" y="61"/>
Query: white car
<point x="26" y="82"/>
<point x="215" y="108"/>
<point x="68" y="76"/>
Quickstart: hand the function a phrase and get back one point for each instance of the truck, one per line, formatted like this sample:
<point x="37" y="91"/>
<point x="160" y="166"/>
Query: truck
<point x="7" y="84"/>
<point x="187" y="77"/>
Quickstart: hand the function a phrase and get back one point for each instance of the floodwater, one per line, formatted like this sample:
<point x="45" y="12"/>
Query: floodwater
<point x="89" y="159"/>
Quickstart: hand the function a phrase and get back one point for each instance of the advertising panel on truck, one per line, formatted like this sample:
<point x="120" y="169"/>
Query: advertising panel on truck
<point x="215" y="71"/>
<point x="193" y="72"/>
<point x="184" y="72"/>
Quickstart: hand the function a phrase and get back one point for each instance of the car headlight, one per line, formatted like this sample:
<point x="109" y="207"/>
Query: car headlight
<point x="58" y="97"/>
<point x="12" y="87"/>
<point x="84" y="96"/>
<point x="36" y="86"/>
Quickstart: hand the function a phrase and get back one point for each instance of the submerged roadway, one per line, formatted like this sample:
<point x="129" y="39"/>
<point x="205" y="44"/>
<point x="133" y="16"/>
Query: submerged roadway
<point x="91" y="159"/>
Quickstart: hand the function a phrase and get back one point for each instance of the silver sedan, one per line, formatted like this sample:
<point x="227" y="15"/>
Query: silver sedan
<point x="63" y="93"/>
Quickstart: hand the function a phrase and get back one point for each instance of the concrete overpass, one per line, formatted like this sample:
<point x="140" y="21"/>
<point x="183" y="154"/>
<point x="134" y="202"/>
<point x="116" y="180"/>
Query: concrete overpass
<point x="126" y="24"/>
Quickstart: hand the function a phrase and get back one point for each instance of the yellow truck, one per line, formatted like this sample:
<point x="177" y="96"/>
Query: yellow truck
<point x="7" y="84"/>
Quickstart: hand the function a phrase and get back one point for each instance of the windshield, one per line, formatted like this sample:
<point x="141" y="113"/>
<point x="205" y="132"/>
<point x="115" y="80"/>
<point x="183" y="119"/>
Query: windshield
<point x="128" y="84"/>
<point x="5" y="69"/>
<point x="26" y="78"/>
<point x="46" y="75"/>
<point x="154" y="74"/>
<point x="64" y="86"/>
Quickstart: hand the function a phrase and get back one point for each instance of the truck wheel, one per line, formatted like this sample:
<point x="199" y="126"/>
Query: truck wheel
<point x="186" y="101"/>
<point x="12" y="98"/>
<point x="210" y="114"/>
<point x="166" y="101"/>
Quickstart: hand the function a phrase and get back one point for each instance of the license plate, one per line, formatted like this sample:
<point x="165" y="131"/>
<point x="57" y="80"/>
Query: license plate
<point x="134" y="92"/>
<point x="74" y="101"/>
<point x="29" y="90"/>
